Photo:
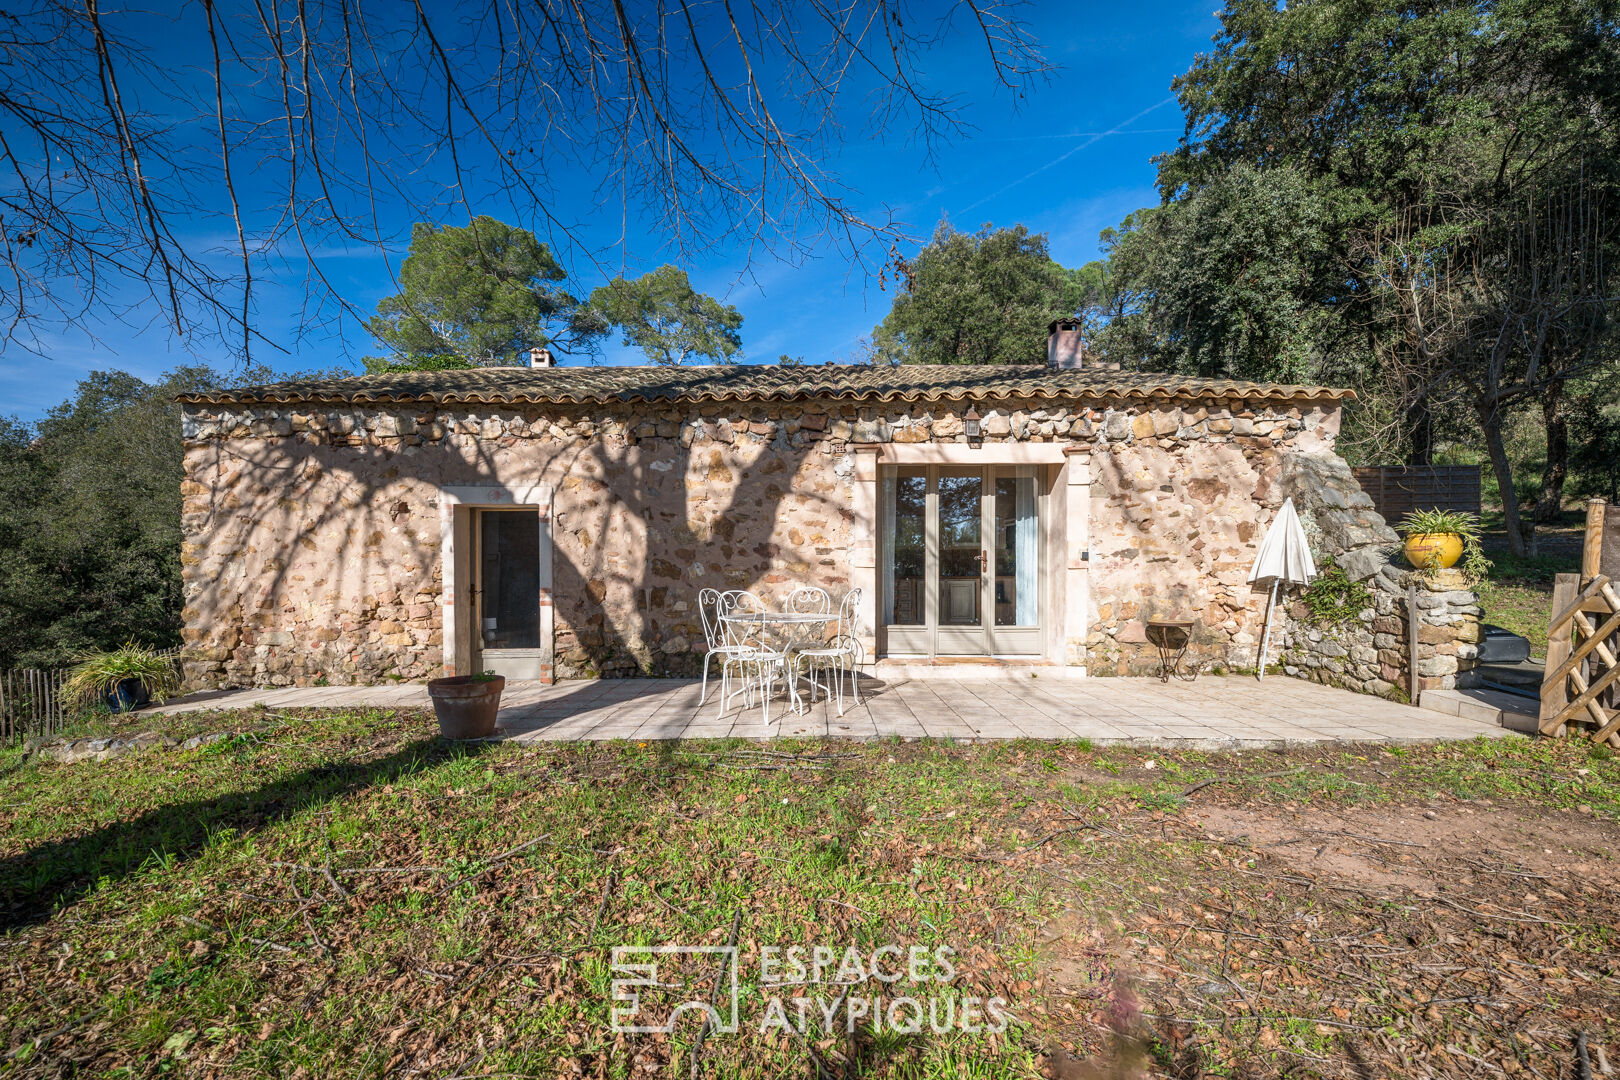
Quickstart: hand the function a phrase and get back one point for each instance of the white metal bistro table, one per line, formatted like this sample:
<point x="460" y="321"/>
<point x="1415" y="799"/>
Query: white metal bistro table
<point x="793" y="627"/>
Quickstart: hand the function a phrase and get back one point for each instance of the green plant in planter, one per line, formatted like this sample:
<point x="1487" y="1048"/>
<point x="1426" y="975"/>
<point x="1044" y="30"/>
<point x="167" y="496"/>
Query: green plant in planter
<point x="1332" y="599"/>
<point x="1461" y="524"/>
<point x="100" y="674"/>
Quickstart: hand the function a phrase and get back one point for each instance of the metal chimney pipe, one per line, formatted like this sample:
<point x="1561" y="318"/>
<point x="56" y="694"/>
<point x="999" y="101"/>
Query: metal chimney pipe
<point x="1064" y="349"/>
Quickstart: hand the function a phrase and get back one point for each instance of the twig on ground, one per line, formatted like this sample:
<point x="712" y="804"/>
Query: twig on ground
<point x="49" y="1035"/>
<point x="1186" y="791"/>
<point x="840" y="903"/>
<point x="491" y="863"/>
<point x="221" y="930"/>
<point x="1373" y="839"/>
<point x="1453" y="1048"/>
<point x="601" y="908"/>
<point x="1042" y="842"/>
<point x="703" y="1032"/>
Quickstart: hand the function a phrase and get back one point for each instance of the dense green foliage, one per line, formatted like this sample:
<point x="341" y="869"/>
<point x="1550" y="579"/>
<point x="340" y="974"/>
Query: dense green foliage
<point x="1460" y="163"/>
<point x="1594" y="417"/>
<point x="479" y="295"/>
<point x="90" y="518"/>
<point x="976" y="298"/>
<point x="1225" y="278"/>
<point x="663" y="316"/>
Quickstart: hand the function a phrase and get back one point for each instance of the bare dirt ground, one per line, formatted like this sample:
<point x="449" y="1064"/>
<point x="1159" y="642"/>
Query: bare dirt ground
<point x="1437" y="937"/>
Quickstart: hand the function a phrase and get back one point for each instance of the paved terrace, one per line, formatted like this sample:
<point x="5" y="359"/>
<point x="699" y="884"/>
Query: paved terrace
<point x="1212" y="713"/>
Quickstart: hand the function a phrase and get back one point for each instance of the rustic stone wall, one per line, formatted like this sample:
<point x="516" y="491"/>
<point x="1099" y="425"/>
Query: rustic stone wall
<point x="1369" y="652"/>
<point x="313" y="536"/>
<point x="1180" y="500"/>
<point x="313" y="533"/>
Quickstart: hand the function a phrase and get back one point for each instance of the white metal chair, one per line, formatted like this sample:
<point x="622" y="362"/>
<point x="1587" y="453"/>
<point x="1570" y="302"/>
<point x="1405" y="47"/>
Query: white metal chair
<point x="809" y="599"/>
<point x="757" y="662"/>
<point x="714" y="636"/>
<point x="843" y="653"/>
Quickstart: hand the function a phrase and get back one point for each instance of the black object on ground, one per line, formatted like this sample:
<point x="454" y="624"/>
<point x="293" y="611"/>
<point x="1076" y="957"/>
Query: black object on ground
<point x="1500" y="646"/>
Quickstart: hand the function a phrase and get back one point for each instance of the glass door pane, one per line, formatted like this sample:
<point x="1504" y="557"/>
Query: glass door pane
<point x="1017" y="594"/>
<point x="961" y="548"/>
<point x="509" y="579"/>
<point x="905" y="547"/>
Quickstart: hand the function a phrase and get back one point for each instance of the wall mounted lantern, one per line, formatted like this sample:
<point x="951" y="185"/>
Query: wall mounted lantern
<point x="972" y="429"/>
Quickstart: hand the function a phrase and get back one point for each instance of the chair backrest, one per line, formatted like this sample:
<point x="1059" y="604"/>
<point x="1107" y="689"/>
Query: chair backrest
<point x="849" y="614"/>
<point x="734" y="603"/>
<point x="809" y="599"/>
<point x="709" y="612"/>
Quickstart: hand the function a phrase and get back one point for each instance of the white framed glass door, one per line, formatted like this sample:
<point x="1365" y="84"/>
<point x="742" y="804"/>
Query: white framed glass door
<point x="961" y="560"/>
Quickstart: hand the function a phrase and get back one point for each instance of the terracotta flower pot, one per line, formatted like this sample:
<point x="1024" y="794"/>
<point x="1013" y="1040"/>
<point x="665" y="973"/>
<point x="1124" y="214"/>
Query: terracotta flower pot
<point x="466" y="705"/>
<point x="1434" y="551"/>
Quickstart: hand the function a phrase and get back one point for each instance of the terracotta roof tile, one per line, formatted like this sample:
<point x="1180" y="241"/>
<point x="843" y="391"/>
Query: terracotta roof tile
<point x="604" y="385"/>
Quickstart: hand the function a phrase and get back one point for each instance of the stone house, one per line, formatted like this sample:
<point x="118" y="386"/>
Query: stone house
<point x="558" y="522"/>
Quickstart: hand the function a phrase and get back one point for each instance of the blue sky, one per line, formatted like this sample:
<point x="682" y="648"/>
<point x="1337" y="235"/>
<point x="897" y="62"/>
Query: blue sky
<point x="1072" y="159"/>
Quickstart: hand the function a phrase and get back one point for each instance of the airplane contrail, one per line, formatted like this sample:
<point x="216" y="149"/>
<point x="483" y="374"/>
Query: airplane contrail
<point x="1115" y="130"/>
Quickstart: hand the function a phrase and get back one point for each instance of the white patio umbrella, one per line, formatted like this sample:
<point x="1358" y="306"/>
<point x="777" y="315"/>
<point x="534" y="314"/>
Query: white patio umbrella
<point x="1285" y="559"/>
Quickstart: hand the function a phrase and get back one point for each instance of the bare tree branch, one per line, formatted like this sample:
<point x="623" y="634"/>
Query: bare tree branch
<point x="316" y="124"/>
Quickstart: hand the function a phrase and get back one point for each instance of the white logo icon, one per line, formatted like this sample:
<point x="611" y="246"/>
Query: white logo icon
<point x="641" y="996"/>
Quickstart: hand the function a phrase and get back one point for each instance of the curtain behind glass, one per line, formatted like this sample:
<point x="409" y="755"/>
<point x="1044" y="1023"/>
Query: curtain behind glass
<point x="1028" y="547"/>
<point x="887" y="502"/>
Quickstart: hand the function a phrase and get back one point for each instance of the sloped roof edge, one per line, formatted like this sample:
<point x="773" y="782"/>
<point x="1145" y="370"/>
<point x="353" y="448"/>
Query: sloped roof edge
<point x="754" y="383"/>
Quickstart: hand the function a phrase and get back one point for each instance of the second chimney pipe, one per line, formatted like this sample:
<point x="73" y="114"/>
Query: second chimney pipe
<point x="1064" y="349"/>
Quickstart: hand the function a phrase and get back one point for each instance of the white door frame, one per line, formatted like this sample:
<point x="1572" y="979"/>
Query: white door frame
<point x="456" y="504"/>
<point x="933" y="639"/>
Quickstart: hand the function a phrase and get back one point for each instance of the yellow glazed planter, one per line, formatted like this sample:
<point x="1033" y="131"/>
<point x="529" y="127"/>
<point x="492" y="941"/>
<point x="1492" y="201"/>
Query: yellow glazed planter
<point x="1434" y="551"/>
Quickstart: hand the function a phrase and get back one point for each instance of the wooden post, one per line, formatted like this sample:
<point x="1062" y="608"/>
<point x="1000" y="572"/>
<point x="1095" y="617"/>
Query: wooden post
<point x="1592" y="549"/>
<point x="1566" y="587"/>
<point x="1412" y="681"/>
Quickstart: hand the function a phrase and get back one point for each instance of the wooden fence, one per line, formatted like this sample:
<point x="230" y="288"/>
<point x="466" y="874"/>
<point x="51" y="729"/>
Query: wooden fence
<point x="1583" y="640"/>
<point x="1397" y="490"/>
<point x="32" y="702"/>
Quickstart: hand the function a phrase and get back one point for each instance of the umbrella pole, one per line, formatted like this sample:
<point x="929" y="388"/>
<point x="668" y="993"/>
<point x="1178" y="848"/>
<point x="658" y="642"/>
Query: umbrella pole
<point x="1265" y="637"/>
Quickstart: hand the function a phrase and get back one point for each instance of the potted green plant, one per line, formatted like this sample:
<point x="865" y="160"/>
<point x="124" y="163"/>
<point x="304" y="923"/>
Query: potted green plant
<point x="1438" y="539"/>
<point x="466" y="704"/>
<point x="124" y="679"/>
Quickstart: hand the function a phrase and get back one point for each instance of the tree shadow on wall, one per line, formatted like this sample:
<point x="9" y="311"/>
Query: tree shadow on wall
<point x="639" y="526"/>
<point x="663" y="521"/>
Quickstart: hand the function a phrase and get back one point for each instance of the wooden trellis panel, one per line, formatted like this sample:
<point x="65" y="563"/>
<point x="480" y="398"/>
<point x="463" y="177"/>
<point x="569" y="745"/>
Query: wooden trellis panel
<point x="1583" y="641"/>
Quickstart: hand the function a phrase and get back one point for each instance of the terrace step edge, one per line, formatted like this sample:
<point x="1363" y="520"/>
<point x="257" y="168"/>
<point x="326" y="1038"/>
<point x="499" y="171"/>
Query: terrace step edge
<point x="1484" y="706"/>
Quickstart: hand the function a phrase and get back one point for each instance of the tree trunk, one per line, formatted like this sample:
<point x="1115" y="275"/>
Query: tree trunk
<point x="1420" y="433"/>
<point x="1491" y="424"/>
<point x="1551" y="499"/>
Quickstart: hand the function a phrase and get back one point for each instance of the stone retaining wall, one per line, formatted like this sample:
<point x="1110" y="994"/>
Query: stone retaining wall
<point x="1369" y="651"/>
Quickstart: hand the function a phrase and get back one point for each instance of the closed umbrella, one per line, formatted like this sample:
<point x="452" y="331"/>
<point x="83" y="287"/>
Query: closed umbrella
<point x="1285" y="559"/>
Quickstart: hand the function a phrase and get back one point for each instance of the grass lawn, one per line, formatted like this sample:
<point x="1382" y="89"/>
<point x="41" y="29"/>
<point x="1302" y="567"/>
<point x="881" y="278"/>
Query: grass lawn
<point x="1518" y="594"/>
<point x="341" y="894"/>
